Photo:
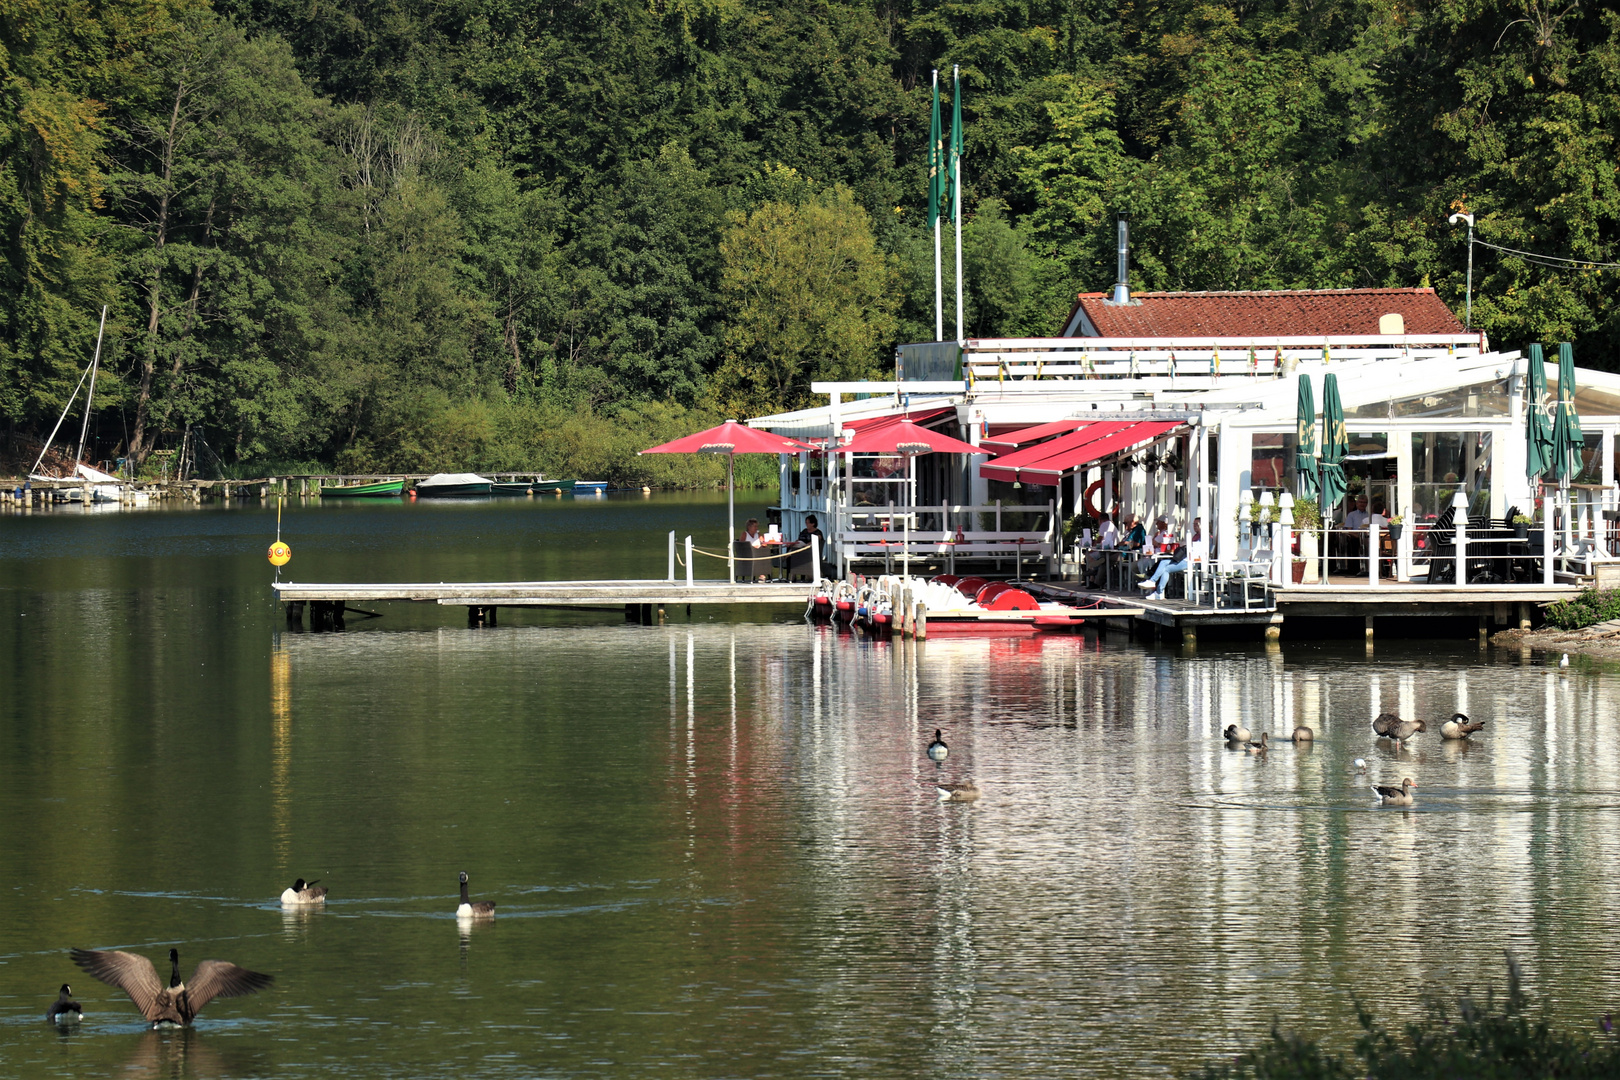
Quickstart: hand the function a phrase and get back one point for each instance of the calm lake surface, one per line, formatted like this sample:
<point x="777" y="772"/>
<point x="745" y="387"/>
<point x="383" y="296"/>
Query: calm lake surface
<point x="715" y="844"/>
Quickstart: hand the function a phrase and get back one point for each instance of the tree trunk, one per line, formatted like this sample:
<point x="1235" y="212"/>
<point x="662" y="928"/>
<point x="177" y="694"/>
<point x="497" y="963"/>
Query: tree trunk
<point x="139" y="443"/>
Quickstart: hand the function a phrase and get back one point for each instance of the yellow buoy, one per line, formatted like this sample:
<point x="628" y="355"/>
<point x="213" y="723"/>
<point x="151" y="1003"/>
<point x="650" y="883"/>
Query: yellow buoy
<point x="279" y="554"/>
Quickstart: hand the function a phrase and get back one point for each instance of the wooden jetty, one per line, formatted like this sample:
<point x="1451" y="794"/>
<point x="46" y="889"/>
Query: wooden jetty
<point x="643" y="601"/>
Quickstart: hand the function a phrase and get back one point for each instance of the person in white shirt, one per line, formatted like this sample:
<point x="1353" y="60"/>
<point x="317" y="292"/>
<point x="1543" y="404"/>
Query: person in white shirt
<point x="1357" y="518"/>
<point x="1106" y="537"/>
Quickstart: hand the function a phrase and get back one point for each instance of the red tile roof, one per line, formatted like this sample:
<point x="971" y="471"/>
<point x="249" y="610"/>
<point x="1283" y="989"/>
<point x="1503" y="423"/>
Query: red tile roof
<point x="1293" y="312"/>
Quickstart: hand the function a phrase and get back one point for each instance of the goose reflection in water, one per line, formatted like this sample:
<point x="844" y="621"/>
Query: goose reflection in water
<point x="185" y="1054"/>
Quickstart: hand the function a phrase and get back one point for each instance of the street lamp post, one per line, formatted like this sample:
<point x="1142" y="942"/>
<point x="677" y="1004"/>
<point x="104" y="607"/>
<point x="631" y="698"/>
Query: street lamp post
<point x="1468" y="317"/>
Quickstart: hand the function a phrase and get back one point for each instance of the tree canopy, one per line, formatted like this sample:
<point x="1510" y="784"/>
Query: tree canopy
<point x="409" y="234"/>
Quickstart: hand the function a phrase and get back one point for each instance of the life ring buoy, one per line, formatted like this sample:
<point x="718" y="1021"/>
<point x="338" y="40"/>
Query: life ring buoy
<point x="1091" y="497"/>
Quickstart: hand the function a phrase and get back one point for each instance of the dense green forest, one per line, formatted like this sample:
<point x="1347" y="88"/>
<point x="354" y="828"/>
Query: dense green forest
<point x="388" y="233"/>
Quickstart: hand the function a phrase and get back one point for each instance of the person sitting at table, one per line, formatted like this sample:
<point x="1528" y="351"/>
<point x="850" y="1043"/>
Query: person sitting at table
<point x="1161" y="539"/>
<point x="1175" y="564"/>
<point x="750" y="541"/>
<point x="1135" y="534"/>
<point x="799" y="558"/>
<point x="811" y="529"/>
<point x="1107" y="537"/>
<point x="1377" y="516"/>
<point x="1357" y="518"/>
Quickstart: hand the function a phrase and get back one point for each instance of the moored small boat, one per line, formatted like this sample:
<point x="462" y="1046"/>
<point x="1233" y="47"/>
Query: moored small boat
<point x="590" y="487"/>
<point x="513" y="487"/>
<point x="380" y="489"/>
<point x="453" y="486"/>
<point x="553" y="487"/>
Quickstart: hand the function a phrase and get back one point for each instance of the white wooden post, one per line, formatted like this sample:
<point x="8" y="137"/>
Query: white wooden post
<point x="689" y="562"/>
<point x="1372" y="551"/>
<point x="672" y="555"/>
<point x="1245" y="543"/>
<point x="1459" y="503"/>
<point x="1546" y="540"/>
<point x="815" y="558"/>
<point x="1285" y="539"/>
<point x="1268" y="529"/>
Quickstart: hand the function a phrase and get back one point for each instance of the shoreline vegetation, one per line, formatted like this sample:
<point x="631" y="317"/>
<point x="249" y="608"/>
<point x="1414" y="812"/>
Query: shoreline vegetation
<point x="1588" y="623"/>
<point x="548" y="236"/>
<point x="1482" y="1040"/>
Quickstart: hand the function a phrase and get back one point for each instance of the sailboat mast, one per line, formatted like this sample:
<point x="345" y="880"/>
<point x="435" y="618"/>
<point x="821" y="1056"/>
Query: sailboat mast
<point x="95" y="364"/>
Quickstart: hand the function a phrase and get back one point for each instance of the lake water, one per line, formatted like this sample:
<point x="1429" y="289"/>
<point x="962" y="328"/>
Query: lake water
<point x="715" y="845"/>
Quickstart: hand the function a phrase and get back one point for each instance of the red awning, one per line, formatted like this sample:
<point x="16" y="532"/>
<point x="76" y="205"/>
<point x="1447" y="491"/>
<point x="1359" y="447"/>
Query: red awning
<point x="1045" y="463"/>
<point x="1008" y="441"/>
<point x="869" y="423"/>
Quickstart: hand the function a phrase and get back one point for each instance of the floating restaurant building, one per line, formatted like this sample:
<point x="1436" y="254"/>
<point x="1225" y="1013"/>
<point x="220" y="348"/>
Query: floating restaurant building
<point x="1186" y="406"/>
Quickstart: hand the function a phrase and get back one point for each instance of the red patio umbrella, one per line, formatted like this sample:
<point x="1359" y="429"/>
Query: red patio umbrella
<point x="731" y="439"/>
<point x="909" y="440"/>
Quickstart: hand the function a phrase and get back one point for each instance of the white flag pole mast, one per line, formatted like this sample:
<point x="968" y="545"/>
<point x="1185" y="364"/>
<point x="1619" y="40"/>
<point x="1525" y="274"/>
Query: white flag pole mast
<point x="939" y="280"/>
<point x="956" y="200"/>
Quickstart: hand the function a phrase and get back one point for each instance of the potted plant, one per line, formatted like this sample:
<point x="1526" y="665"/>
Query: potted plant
<point x="1396" y="524"/>
<point x="1307" y="524"/>
<point x="1521" y="526"/>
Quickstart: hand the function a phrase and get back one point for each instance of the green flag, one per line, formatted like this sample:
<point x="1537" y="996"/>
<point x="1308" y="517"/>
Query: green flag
<point x="954" y="207"/>
<point x="936" y="164"/>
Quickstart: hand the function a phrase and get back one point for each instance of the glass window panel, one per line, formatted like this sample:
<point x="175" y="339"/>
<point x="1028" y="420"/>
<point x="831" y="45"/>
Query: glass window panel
<point x="1479" y="399"/>
<point x="1591" y="459"/>
<point x="1444" y="462"/>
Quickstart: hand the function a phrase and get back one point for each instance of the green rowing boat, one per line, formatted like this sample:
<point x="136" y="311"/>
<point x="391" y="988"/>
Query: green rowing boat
<point x="382" y="489"/>
<point x="546" y="487"/>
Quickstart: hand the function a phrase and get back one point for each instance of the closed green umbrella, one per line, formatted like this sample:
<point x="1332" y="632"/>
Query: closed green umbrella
<point x="1305" y="468"/>
<point x="1335" y="445"/>
<point x="1568" y="441"/>
<point x="1538" y="432"/>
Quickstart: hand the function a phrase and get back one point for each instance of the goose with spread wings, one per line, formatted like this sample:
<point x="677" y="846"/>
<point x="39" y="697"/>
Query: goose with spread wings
<point x="177" y="1004"/>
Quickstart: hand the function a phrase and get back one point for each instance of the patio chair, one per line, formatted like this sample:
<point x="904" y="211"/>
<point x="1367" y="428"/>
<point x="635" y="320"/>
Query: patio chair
<point x="1442" y="548"/>
<point x="1240" y="583"/>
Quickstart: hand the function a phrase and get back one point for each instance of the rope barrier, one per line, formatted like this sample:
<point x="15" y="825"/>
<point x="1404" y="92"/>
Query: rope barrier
<point x="740" y="558"/>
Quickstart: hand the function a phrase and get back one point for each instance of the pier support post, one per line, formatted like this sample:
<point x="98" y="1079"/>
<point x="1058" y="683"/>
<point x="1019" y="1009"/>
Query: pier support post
<point x="1189" y="636"/>
<point x="1369" y="627"/>
<point x="1484" y="630"/>
<point x="1273" y="633"/>
<point x="489" y="615"/>
<point x="475" y="617"/>
<point x="920" y="631"/>
<point x="1524" y="616"/>
<point x="295" y="613"/>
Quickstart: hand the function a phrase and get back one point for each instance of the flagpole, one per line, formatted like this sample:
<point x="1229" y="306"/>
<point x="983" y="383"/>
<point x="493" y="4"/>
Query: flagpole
<point x="956" y="168"/>
<point x="934" y="183"/>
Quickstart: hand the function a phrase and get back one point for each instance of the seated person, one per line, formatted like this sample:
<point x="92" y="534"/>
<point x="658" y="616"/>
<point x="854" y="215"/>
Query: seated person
<point x="1176" y="563"/>
<point x="1135" y="534"/>
<point x="798" y="560"/>
<point x="1377" y="517"/>
<point x="748" y="543"/>
<point x="811" y="529"/>
<point x="1161" y="539"/>
<point x="1357" y="518"/>
<point x="1107" y="537"/>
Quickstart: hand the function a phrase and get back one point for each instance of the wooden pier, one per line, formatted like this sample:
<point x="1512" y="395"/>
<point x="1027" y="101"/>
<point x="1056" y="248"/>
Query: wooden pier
<point x="642" y="600"/>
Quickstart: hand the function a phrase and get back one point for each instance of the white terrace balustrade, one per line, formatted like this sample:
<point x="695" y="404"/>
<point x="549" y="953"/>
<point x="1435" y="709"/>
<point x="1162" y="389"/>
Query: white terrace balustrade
<point x="895" y="535"/>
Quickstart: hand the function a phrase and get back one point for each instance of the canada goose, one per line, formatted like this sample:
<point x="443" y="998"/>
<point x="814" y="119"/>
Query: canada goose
<point x="966" y="791"/>
<point x="1234" y="733"/>
<point x="1396" y="796"/>
<point x="1303" y="734"/>
<point x="64" y="1010"/>
<point x="484" y="909"/>
<point x="937" y="750"/>
<point x="177" y="1004"/>
<point x="303" y="893"/>
<point x="1460" y="727"/>
<point x="1384" y="723"/>
<point x="1260" y="747"/>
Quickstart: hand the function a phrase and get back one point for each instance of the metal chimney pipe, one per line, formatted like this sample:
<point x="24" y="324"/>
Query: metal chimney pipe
<point x="1122" y="288"/>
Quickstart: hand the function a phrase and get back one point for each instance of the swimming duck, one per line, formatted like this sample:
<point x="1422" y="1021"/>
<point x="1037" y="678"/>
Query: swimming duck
<point x="1303" y="734"/>
<point x="303" y="893"/>
<point x="1460" y="727"/>
<point x="484" y="909"/>
<point x="1260" y="747"/>
<point x="64" y="1010"/>
<point x="1234" y="733"/>
<point x="1396" y="796"/>
<point x="966" y="791"/>
<point x="177" y="1004"/>
<point x="937" y="750"/>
